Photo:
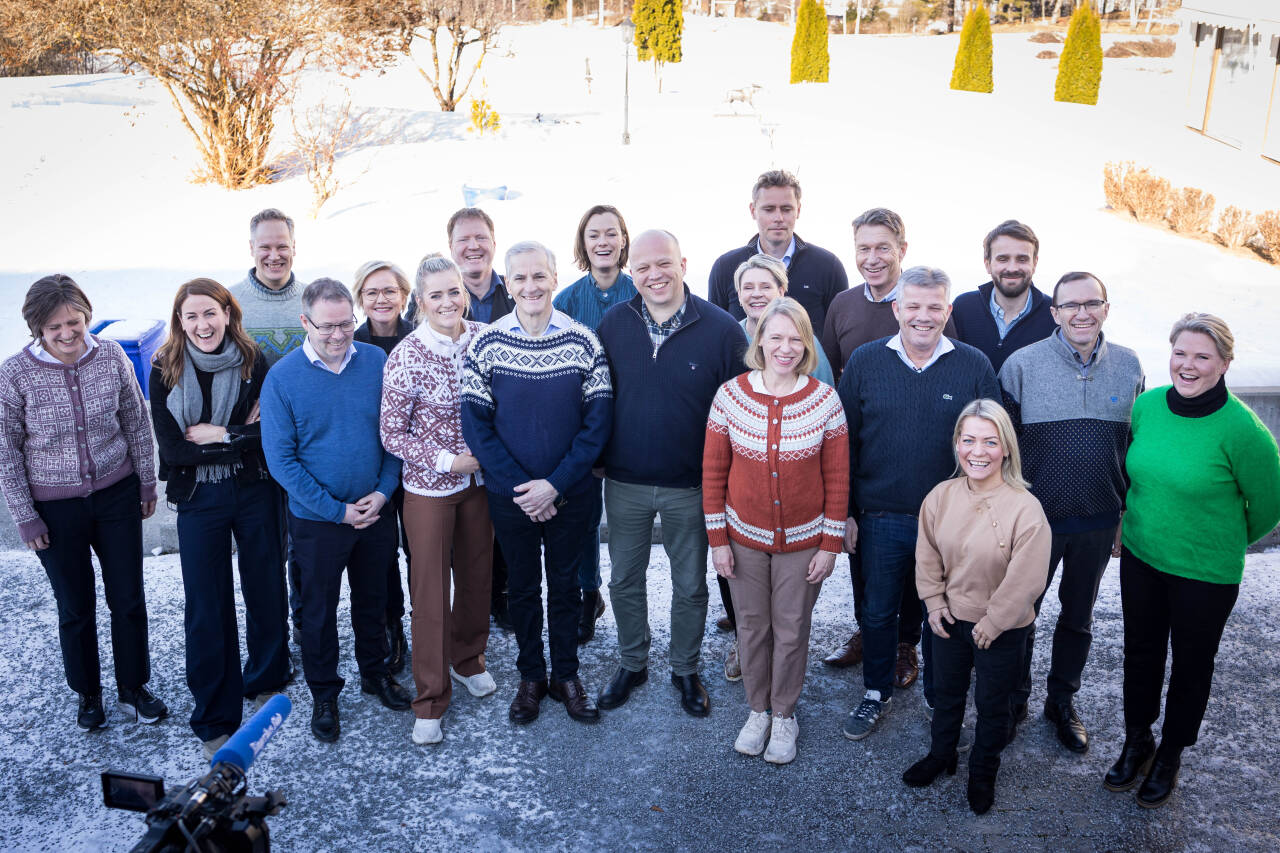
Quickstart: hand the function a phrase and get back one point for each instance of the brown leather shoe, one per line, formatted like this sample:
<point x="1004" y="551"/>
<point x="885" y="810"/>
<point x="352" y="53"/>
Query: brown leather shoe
<point x="576" y="701"/>
<point x="907" y="668"/>
<point x="850" y="654"/>
<point x="524" y="708"/>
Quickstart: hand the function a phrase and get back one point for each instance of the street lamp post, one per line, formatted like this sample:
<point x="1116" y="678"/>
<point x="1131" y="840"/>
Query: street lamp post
<point x="628" y="36"/>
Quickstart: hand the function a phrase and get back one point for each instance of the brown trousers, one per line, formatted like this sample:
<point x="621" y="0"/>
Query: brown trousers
<point x="452" y="532"/>
<point x="774" y="605"/>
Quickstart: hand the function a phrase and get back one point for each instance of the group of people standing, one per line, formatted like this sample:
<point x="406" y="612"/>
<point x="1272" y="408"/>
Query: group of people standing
<point x="959" y="452"/>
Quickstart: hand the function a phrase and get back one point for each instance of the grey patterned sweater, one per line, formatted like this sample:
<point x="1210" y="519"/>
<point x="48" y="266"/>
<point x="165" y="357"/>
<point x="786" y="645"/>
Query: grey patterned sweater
<point x="272" y="317"/>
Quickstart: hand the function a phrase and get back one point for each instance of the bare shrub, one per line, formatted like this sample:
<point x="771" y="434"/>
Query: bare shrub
<point x="322" y="134"/>
<point x="1190" y="211"/>
<point x="1047" y="54"/>
<point x="1147" y="195"/>
<point x="1113" y="184"/>
<point x="1235" y="227"/>
<point x="1157" y="47"/>
<point x="1046" y="37"/>
<point x="1269" y="228"/>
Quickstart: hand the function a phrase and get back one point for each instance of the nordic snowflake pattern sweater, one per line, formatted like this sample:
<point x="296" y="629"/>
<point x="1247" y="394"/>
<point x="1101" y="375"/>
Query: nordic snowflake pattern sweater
<point x="775" y="469"/>
<point x="536" y="408"/>
<point x="70" y="430"/>
<point x="421" y="420"/>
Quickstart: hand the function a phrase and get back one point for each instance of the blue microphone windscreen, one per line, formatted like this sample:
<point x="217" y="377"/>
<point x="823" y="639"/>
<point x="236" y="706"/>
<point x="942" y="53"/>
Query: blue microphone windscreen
<point x="244" y="745"/>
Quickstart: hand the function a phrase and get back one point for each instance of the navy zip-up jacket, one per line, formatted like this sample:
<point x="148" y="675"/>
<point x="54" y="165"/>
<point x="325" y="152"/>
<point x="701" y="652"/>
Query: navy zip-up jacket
<point x="661" y="399"/>
<point x="816" y="277"/>
<point x="977" y="328"/>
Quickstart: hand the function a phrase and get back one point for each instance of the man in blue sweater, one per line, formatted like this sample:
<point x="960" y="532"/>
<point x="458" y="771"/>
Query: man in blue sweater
<point x="319" y="410"/>
<point x="1009" y="311"/>
<point x="1070" y="397"/>
<point x="816" y="276"/>
<point x="902" y="396"/>
<point x="669" y="352"/>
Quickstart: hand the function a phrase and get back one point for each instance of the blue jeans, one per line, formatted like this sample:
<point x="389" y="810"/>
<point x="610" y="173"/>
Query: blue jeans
<point x="887" y="543"/>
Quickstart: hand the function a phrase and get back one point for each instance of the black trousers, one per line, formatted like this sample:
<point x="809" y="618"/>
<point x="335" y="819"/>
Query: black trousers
<point x="1084" y="557"/>
<point x="108" y="522"/>
<point x="523" y="542"/>
<point x="323" y="549"/>
<point x="997" y="669"/>
<point x="206" y="524"/>
<point x="1163" y="611"/>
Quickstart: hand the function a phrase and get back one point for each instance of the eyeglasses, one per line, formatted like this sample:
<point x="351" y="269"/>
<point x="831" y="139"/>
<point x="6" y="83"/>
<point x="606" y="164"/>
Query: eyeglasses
<point x="385" y="293"/>
<point x="327" y="329"/>
<point x="1072" y="307"/>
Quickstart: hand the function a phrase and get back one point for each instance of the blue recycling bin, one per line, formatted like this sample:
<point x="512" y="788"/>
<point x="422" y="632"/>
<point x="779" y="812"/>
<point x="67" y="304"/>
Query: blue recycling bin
<point x="140" y="340"/>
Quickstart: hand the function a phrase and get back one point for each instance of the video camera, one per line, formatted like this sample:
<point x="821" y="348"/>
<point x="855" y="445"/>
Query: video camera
<point x="213" y="813"/>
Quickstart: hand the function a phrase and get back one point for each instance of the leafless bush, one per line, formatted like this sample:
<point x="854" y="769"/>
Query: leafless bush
<point x="1190" y="211"/>
<point x="1235" y="227"/>
<point x="321" y="135"/>
<point x="1047" y="54"/>
<point x="1137" y="191"/>
<point x="1269" y="228"/>
<point x="1046" y="37"/>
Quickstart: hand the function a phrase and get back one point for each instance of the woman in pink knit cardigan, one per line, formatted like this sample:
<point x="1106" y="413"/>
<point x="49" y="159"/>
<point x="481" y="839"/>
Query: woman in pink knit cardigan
<point x="446" y="511"/>
<point x="775" y="492"/>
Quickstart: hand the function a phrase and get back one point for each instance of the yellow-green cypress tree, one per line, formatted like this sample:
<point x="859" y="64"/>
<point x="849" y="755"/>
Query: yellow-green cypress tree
<point x="659" y="25"/>
<point x="1080" y="69"/>
<point x="972" y="72"/>
<point x="810" y="60"/>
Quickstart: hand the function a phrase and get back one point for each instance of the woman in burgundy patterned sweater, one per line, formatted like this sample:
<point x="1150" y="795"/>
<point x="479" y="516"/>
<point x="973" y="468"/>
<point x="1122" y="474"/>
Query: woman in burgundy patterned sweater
<point x="77" y="469"/>
<point x="446" y="510"/>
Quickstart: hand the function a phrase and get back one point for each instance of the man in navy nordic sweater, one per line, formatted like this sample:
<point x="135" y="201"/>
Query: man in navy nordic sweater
<point x="319" y="409"/>
<point x="1009" y="311"/>
<point x="902" y="396"/>
<point x="669" y="352"/>
<point x="816" y="276"/>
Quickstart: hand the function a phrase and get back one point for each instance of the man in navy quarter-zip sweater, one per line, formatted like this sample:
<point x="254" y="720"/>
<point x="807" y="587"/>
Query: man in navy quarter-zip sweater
<point x="669" y="351"/>
<point x="1009" y="311"/>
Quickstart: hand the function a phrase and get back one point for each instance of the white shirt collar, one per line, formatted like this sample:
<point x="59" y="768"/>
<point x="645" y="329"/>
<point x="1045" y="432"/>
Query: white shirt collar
<point x="443" y="344"/>
<point x="944" y="346"/>
<point x="314" y="357"/>
<point x="37" y="349"/>
<point x="511" y="323"/>
<point x="756" y="380"/>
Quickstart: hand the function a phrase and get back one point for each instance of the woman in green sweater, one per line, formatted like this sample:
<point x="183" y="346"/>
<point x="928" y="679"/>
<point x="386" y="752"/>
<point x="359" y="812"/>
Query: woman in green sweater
<point x="1204" y="483"/>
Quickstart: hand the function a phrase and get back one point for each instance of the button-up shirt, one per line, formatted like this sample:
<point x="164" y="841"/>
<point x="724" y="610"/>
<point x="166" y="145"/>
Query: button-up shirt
<point x="482" y="308"/>
<point x="944" y="346"/>
<point x="511" y="323"/>
<point x="314" y="357"/>
<point x="997" y="312"/>
<point x="659" y="332"/>
<point x="1082" y="364"/>
<point x="42" y="354"/>
<point x="888" y="297"/>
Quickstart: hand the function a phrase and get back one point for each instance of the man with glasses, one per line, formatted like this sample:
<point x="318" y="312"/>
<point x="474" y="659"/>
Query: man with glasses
<point x="320" y="435"/>
<point x="1070" y="396"/>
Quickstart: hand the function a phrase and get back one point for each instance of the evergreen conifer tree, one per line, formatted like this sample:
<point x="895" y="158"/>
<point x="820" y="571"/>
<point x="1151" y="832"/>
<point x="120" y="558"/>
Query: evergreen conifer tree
<point x="659" y="24"/>
<point x="1080" y="69"/>
<point x="810" y="61"/>
<point x="972" y="72"/>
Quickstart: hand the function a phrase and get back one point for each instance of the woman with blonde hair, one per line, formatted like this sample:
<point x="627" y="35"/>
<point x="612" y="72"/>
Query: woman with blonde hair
<point x="982" y="556"/>
<point x="775" y="492"/>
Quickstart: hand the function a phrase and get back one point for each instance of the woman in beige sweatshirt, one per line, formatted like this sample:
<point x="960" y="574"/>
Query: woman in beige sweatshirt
<point x="981" y="559"/>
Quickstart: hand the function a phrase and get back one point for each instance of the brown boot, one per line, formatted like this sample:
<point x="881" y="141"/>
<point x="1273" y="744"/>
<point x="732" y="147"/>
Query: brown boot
<point x="907" y="669"/>
<point x="850" y="654"/>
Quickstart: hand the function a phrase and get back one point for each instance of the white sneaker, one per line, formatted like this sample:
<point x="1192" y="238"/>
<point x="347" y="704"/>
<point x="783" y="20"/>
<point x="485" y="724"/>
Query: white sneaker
<point x="427" y="731"/>
<point x="754" y="733"/>
<point x="782" y="741"/>
<point x="479" y="685"/>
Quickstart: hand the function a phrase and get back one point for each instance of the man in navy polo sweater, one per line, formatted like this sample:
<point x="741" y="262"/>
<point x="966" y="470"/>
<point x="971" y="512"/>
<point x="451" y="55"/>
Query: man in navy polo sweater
<point x="669" y="352"/>
<point x="1009" y="311"/>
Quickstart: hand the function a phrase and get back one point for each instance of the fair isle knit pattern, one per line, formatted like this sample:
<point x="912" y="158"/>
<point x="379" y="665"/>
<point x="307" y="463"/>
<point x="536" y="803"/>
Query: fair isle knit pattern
<point x="70" y="430"/>
<point x="536" y="407"/>
<point x="775" y="469"/>
<point x="421" y="419"/>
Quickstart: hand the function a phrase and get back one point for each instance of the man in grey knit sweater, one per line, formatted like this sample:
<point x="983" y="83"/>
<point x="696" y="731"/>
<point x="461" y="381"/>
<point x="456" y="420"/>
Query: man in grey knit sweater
<point x="270" y="295"/>
<point x="1070" y="396"/>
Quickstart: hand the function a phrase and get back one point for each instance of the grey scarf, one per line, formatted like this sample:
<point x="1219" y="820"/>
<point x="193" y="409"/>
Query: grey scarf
<point x="186" y="401"/>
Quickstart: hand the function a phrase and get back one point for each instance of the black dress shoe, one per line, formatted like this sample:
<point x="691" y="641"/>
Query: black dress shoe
<point x="389" y="693"/>
<point x="524" y="708"/>
<point x="1160" y="782"/>
<point x="592" y="609"/>
<point x="981" y="791"/>
<point x="324" y="720"/>
<point x="1071" y="733"/>
<point x="924" y="771"/>
<point x="90" y="716"/>
<point x="500" y="613"/>
<point x="575" y="700"/>
<point x="397" y="645"/>
<point x="693" y="696"/>
<point x="1133" y="763"/>
<point x="620" y="688"/>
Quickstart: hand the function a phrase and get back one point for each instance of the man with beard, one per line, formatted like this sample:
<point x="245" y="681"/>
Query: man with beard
<point x="1008" y="312"/>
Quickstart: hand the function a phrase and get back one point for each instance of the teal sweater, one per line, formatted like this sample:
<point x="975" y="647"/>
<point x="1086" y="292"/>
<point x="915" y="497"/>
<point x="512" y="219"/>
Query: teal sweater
<point x="1200" y="489"/>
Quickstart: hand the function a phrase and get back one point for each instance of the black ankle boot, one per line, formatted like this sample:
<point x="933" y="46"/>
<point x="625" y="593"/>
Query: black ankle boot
<point x="1134" y="761"/>
<point x="982" y="790"/>
<point x="1163" y="778"/>
<point x="927" y="769"/>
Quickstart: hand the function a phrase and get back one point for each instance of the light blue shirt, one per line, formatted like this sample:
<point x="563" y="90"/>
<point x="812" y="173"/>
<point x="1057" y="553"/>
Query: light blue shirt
<point x="1083" y="365"/>
<point x="889" y="297"/>
<point x="314" y="357"/>
<point x="998" y="313"/>
<point x="511" y="323"/>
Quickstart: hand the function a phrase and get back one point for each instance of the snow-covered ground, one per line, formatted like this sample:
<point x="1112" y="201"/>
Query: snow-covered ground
<point x="96" y="172"/>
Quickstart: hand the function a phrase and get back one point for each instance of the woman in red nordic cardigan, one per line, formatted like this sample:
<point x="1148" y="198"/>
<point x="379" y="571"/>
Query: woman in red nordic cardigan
<point x="775" y="490"/>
